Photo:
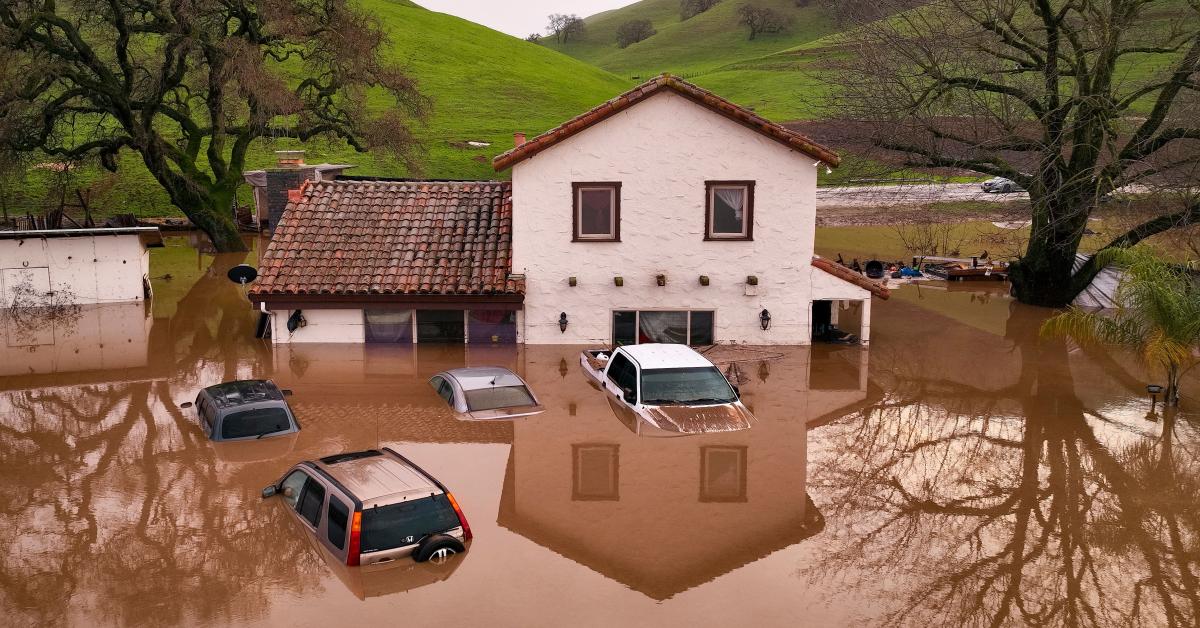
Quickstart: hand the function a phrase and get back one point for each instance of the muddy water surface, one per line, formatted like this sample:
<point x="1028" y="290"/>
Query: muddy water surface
<point x="959" y="472"/>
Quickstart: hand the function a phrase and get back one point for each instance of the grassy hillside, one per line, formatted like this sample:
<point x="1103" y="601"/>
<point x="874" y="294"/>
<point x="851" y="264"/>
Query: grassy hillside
<point x="713" y="51"/>
<point x="484" y="85"/>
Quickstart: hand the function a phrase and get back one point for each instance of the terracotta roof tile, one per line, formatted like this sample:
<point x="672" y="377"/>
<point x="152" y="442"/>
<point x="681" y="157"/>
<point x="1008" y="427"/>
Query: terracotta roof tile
<point x="700" y="96"/>
<point x="393" y="237"/>
<point x="845" y="274"/>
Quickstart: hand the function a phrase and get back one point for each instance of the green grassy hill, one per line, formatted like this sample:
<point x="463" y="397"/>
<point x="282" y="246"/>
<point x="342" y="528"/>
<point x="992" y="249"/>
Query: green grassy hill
<point x="713" y="51"/>
<point x="484" y="85"/>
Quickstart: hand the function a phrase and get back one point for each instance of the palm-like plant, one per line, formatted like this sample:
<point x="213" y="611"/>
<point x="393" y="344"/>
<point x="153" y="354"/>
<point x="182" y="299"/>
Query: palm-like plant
<point x="1158" y="315"/>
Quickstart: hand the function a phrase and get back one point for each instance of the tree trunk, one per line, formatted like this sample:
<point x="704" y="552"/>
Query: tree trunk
<point x="1043" y="274"/>
<point x="215" y="221"/>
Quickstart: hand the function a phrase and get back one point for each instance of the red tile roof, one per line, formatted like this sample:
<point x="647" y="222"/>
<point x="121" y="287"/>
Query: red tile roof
<point x="393" y="238"/>
<point x="845" y="274"/>
<point x="702" y="97"/>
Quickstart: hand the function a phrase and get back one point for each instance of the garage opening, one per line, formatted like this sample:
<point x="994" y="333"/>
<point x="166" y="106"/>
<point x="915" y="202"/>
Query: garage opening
<point x="837" y="321"/>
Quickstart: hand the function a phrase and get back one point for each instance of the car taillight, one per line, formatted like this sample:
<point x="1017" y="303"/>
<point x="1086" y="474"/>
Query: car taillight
<point x="462" y="519"/>
<point x="355" y="538"/>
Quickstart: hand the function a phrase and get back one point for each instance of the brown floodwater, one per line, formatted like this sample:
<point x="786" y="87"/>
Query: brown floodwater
<point x="959" y="472"/>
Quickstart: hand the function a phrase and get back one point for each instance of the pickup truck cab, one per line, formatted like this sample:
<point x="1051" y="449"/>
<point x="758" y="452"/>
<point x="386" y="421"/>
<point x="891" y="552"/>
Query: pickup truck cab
<point x="666" y="390"/>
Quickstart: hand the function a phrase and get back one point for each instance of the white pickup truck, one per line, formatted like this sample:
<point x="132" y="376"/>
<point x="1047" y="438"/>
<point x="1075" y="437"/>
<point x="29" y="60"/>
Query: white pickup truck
<point x="666" y="390"/>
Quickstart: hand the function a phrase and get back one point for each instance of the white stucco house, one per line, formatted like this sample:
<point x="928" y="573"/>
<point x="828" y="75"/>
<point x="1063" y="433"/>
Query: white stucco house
<point x="666" y="214"/>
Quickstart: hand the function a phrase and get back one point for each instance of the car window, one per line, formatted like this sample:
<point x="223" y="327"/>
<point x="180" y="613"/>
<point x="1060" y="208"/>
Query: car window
<point x="311" y="500"/>
<point x="405" y="523"/>
<point x="498" y="397"/>
<point x="622" y="372"/>
<point x="256" y="422"/>
<point x="295" y="482"/>
<point x="339" y="514"/>
<point x="444" y="389"/>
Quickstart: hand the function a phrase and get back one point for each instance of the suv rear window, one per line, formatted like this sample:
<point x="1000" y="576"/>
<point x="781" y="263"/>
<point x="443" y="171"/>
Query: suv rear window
<point x="255" y="423"/>
<point x="405" y="523"/>
<point x="498" y="397"/>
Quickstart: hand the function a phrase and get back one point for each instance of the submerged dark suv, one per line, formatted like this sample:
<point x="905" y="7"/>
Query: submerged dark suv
<point x="374" y="506"/>
<point x="244" y="410"/>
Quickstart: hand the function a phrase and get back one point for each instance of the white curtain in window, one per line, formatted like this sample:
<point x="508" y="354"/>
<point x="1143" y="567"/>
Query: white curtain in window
<point x="733" y="197"/>
<point x="668" y="327"/>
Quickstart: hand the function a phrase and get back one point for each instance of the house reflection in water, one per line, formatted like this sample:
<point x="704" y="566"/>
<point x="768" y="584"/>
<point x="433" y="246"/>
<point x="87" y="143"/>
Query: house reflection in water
<point x="662" y="515"/>
<point x="74" y="338"/>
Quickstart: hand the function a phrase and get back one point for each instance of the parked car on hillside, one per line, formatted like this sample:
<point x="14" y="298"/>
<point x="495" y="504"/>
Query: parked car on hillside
<point x="374" y="506"/>
<point x="1000" y="185"/>
<point x="244" y="410"/>
<point x="669" y="388"/>
<point x="488" y="392"/>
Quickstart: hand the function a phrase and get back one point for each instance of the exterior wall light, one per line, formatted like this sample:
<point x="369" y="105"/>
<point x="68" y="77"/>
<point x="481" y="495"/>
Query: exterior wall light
<point x="751" y="280"/>
<point x="562" y="368"/>
<point x="572" y="281"/>
<point x="562" y="322"/>
<point x="764" y="319"/>
<point x="704" y="280"/>
<point x="619" y="281"/>
<point x="661" y="280"/>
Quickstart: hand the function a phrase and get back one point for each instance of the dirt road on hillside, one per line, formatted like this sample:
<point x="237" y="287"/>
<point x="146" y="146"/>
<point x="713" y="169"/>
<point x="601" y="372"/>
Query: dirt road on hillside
<point x="914" y="194"/>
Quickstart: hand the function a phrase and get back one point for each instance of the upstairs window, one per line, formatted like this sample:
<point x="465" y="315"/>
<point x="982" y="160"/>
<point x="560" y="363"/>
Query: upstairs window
<point x="597" y="212"/>
<point x="729" y="211"/>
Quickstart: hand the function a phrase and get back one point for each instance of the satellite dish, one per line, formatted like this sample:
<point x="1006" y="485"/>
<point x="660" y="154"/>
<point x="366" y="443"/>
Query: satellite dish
<point x="242" y="274"/>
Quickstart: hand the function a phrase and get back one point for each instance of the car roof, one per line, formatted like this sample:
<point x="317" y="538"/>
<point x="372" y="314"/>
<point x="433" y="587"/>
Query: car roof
<point x="375" y="475"/>
<point x="242" y="392"/>
<point x="657" y="356"/>
<point x="480" y="377"/>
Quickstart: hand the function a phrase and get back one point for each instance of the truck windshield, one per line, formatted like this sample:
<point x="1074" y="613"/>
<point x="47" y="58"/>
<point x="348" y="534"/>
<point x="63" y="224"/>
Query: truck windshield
<point x="698" y="385"/>
<point x="498" y="397"/>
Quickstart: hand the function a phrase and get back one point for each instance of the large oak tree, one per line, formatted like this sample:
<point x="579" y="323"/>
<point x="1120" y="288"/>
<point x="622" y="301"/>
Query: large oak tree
<point x="1072" y="99"/>
<point x="189" y="85"/>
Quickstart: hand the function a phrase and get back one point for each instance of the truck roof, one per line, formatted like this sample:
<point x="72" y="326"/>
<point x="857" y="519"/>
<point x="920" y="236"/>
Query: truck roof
<point x="665" y="356"/>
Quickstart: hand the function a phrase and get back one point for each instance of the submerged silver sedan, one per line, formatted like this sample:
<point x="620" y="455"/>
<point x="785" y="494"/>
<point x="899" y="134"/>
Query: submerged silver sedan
<point x="486" y="392"/>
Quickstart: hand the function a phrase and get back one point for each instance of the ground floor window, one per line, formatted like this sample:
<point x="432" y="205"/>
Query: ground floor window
<point x="441" y="326"/>
<point x="671" y="326"/>
<point x="388" y="326"/>
<point x="483" y="326"/>
<point x="492" y="326"/>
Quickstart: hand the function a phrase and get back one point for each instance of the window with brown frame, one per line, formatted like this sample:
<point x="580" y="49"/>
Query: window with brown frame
<point x="596" y="215"/>
<point x="596" y="472"/>
<point x="729" y="210"/>
<point x="722" y="474"/>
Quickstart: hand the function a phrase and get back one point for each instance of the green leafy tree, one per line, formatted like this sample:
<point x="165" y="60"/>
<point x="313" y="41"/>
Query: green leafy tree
<point x="1158" y="315"/>
<point x="1071" y="99"/>
<point x="188" y="86"/>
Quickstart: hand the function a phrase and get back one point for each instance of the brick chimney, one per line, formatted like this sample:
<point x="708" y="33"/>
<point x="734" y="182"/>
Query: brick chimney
<point x="289" y="159"/>
<point x="518" y="138"/>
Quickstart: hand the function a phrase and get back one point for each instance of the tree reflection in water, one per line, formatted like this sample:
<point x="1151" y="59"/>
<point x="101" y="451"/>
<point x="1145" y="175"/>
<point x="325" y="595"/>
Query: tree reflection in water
<point x="116" y="507"/>
<point x="1011" y="505"/>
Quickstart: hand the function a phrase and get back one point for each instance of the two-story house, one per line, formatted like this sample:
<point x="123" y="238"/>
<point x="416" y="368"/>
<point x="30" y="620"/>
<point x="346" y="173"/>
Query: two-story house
<point x="666" y="214"/>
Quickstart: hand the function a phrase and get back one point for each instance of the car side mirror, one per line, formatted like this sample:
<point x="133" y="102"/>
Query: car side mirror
<point x="629" y="395"/>
<point x="287" y="392"/>
<point x="268" y="492"/>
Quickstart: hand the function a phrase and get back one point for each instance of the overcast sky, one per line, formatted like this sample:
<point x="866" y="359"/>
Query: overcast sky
<point x="519" y="17"/>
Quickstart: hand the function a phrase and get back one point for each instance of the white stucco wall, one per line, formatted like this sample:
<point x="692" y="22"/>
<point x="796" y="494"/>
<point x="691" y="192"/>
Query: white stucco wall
<point x="323" y="326"/>
<point x="662" y="151"/>
<point x="83" y="269"/>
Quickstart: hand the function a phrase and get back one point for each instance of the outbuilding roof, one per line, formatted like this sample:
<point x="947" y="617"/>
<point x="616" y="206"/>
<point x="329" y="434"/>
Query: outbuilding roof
<point x="845" y="274"/>
<point x="363" y="238"/>
<point x="700" y="96"/>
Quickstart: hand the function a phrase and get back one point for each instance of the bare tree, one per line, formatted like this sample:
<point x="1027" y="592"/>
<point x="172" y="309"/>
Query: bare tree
<point x="633" y="31"/>
<point x="534" y="38"/>
<point x="689" y="9"/>
<point x="760" y="19"/>
<point x="189" y="86"/>
<point x="565" y="27"/>
<point x="1072" y="100"/>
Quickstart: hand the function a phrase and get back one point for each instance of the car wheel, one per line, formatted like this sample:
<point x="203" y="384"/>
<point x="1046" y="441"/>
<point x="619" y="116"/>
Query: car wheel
<point x="437" y="548"/>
